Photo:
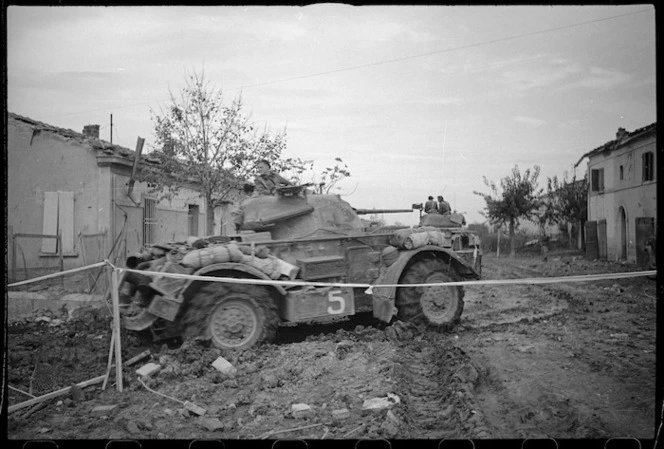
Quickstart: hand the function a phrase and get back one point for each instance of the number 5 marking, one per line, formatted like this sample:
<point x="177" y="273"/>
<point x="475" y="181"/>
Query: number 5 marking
<point x="332" y="297"/>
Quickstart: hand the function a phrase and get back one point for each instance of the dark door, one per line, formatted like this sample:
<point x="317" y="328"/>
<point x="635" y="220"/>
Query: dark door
<point x="601" y="238"/>
<point x="622" y="228"/>
<point x="592" y="249"/>
<point x="645" y="229"/>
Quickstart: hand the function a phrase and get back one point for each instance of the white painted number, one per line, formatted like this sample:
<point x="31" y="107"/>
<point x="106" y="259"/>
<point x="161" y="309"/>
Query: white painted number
<point x="335" y="296"/>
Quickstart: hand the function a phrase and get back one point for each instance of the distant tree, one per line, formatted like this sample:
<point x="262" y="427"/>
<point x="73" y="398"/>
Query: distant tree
<point x="518" y="198"/>
<point x="570" y="204"/>
<point x="304" y="171"/>
<point x="201" y="141"/>
<point x="377" y="220"/>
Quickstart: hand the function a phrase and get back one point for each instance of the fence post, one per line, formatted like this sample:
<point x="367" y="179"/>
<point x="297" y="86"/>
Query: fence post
<point x="116" y="327"/>
<point x="62" y="258"/>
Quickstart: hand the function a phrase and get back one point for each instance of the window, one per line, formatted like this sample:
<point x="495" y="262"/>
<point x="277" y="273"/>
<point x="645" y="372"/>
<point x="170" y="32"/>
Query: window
<point x="597" y="180"/>
<point x="58" y="219"/>
<point x="149" y="221"/>
<point x="649" y="166"/>
<point x="193" y="219"/>
<point x="622" y="172"/>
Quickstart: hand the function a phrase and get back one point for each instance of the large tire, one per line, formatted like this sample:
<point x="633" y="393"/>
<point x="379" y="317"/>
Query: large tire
<point x="438" y="306"/>
<point x="233" y="316"/>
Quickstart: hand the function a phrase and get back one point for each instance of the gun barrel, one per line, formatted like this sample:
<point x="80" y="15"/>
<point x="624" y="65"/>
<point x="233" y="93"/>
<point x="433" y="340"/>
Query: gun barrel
<point x="381" y="211"/>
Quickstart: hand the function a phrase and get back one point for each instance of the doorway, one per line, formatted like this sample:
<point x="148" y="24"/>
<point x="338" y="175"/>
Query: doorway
<point x="622" y="229"/>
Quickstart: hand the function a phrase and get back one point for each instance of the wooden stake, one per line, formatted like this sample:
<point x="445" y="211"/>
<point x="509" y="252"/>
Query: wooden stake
<point x="54" y="394"/>
<point x="137" y="358"/>
<point x="21" y="391"/>
<point x="116" y="328"/>
<point x="129" y="362"/>
<point x="110" y="360"/>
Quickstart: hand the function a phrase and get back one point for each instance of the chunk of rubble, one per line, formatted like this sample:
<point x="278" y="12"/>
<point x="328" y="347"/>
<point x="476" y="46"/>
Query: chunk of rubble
<point x="378" y="404"/>
<point x="341" y="414"/>
<point x="148" y="370"/>
<point x="301" y="410"/>
<point x="104" y="409"/>
<point x="193" y="408"/>
<point x="224" y="366"/>
<point x="211" y="424"/>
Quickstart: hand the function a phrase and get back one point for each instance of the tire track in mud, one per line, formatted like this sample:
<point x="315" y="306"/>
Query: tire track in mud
<point x="436" y="382"/>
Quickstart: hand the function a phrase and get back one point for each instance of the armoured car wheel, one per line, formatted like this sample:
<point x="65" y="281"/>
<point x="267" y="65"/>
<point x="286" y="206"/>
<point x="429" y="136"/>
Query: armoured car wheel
<point x="438" y="306"/>
<point x="233" y="316"/>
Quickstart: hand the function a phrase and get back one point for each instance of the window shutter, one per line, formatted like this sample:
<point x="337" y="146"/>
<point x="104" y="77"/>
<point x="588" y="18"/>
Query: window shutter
<point x="66" y="220"/>
<point x="50" y="222"/>
<point x="58" y="217"/>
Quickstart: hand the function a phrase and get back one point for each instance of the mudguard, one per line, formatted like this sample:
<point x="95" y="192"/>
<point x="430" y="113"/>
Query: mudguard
<point x="167" y="307"/>
<point x="229" y="266"/>
<point x="383" y="297"/>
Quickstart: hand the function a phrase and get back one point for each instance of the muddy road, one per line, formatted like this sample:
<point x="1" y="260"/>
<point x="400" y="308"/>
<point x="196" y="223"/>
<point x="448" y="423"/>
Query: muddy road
<point x="563" y="361"/>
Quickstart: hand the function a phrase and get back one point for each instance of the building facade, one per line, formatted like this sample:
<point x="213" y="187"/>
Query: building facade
<point x="60" y="182"/>
<point x="622" y="195"/>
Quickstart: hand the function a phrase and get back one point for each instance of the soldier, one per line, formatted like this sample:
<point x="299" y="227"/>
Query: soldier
<point x="443" y="206"/>
<point x="267" y="180"/>
<point x="430" y="207"/>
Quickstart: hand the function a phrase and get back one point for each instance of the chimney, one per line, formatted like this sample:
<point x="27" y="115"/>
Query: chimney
<point x="91" y="131"/>
<point x="621" y="133"/>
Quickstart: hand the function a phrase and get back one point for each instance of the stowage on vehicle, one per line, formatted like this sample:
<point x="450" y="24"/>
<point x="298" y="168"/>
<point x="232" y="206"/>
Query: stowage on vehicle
<point x="306" y="240"/>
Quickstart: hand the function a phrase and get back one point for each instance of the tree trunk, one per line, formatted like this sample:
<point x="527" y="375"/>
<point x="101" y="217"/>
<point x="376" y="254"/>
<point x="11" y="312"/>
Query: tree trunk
<point x="209" y="216"/>
<point x="512" y="240"/>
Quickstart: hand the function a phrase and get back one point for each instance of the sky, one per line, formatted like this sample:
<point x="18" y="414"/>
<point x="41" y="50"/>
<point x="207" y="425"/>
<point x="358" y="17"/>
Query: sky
<point x="416" y="100"/>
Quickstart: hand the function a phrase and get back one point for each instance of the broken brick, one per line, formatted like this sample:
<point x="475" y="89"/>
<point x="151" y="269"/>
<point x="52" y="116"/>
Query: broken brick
<point x="148" y="370"/>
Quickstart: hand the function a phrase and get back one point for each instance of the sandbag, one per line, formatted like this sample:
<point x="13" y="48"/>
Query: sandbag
<point x="258" y="251"/>
<point x="234" y="252"/>
<point x="436" y="238"/>
<point x="206" y="256"/>
<point x="398" y="237"/>
<point x="287" y="269"/>
<point x="416" y="240"/>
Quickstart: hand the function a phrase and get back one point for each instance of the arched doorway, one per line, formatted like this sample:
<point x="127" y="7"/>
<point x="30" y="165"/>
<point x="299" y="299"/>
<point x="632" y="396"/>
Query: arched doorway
<point x="622" y="229"/>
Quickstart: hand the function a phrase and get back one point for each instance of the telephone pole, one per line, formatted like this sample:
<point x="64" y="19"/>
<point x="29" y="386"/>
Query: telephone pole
<point x="111" y="128"/>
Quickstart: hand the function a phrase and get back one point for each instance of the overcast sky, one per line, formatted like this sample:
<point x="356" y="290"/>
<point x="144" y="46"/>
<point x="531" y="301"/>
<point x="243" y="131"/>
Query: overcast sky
<point x="417" y="101"/>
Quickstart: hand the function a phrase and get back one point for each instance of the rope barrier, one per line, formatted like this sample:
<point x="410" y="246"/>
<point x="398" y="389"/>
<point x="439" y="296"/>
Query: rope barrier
<point x="542" y="280"/>
<point x="54" y="275"/>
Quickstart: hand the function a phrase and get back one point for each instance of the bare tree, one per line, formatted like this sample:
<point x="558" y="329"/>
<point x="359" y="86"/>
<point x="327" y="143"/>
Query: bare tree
<point x="304" y="171"/>
<point x="201" y="141"/>
<point x="570" y="204"/>
<point x="518" y="198"/>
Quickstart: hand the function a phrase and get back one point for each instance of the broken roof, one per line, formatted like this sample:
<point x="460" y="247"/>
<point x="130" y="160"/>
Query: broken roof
<point x="623" y="139"/>
<point x="103" y="147"/>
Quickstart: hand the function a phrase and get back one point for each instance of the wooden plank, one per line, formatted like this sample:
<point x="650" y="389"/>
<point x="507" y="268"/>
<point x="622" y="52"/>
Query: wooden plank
<point x="54" y="394"/>
<point x="110" y="360"/>
<point x="66" y="220"/>
<point x="50" y="223"/>
<point x="115" y="286"/>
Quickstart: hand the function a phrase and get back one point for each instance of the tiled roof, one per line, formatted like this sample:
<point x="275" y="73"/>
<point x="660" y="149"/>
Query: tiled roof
<point x="102" y="147"/>
<point x="618" y="142"/>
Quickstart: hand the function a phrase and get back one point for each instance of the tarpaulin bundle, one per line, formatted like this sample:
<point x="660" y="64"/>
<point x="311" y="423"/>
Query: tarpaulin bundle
<point x="212" y="254"/>
<point x="398" y="238"/>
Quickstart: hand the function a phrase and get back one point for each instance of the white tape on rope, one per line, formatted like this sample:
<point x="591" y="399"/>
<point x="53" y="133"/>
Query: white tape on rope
<point x="58" y="274"/>
<point x="545" y="280"/>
